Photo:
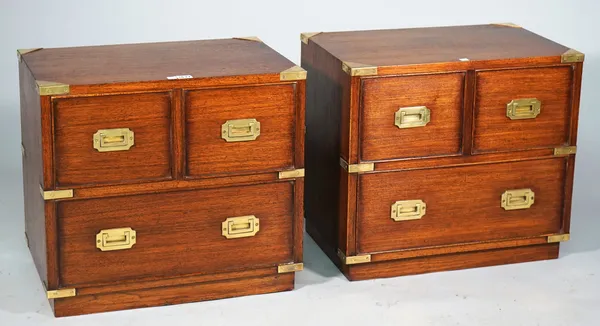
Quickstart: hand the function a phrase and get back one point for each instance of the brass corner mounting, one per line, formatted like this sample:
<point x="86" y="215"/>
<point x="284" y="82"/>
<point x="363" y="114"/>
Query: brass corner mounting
<point x="297" y="173"/>
<point x="51" y="88"/>
<point x="56" y="194"/>
<point x="567" y="150"/>
<point x="294" y="73"/>
<point x="353" y="260"/>
<point x="559" y="238"/>
<point x="249" y="38"/>
<point x="358" y="69"/>
<point x="304" y="37"/>
<point x="290" y="268"/>
<point x="22" y="52"/>
<point x="357" y="168"/>
<point x="507" y="25"/>
<point x="61" y="293"/>
<point x="571" y="56"/>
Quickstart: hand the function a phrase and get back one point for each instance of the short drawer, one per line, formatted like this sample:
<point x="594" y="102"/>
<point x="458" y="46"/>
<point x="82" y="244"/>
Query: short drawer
<point x="522" y="109"/>
<point x="105" y="139"/>
<point x="239" y="130"/>
<point x="181" y="233"/>
<point x="411" y="116"/>
<point x="433" y="207"/>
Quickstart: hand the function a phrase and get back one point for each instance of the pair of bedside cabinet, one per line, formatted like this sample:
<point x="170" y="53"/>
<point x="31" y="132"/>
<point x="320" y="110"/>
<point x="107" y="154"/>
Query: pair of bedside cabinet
<point x="165" y="173"/>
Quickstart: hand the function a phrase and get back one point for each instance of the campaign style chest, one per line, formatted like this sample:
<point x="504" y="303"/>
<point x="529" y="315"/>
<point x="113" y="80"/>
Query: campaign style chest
<point x="162" y="173"/>
<point x="437" y="149"/>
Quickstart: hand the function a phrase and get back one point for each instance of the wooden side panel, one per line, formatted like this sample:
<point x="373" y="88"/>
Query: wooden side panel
<point x="171" y="295"/>
<point x="77" y="119"/>
<point x="181" y="236"/>
<point x="324" y="93"/>
<point x="31" y="140"/>
<point x="381" y="139"/>
<point x="494" y="131"/>
<point x="206" y="110"/>
<point x="463" y="204"/>
<point x="452" y="262"/>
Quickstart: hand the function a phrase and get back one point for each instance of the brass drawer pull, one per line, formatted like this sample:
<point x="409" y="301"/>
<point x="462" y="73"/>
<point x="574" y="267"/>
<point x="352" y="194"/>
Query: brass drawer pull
<point x="240" y="130"/>
<point x="115" y="239"/>
<point x="240" y="227"/>
<point x="406" y="210"/>
<point x="517" y="199"/>
<point x="524" y="108"/>
<point x="411" y="117"/>
<point x="111" y="140"/>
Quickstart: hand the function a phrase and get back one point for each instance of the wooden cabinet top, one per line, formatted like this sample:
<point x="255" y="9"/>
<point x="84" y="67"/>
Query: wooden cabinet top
<point x="142" y="62"/>
<point x="415" y="46"/>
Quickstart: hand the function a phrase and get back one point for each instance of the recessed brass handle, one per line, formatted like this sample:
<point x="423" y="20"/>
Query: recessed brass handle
<point x="240" y="130"/>
<point x="406" y="210"/>
<point x="111" y="140"/>
<point x="115" y="239"/>
<point x="523" y="108"/>
<point x="517" y="199"/>
<point x="240" y="227"/>
<point x="411" y="117"/>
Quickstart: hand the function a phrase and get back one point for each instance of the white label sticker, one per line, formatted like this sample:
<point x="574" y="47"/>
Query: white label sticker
<point x="180" y="77"/>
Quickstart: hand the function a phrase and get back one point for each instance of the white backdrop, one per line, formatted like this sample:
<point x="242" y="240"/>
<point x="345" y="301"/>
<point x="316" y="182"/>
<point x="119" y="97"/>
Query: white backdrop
<point x="60" y="23"/>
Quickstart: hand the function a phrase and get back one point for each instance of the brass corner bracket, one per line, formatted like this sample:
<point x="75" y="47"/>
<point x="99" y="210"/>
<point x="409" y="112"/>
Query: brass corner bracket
<point x="572" y="56"/>
<point x="298" y="173"/>
<point x="507" y="25"/>
<point x="567" y="150"/>
<point x="249" y="38"/>
<point x="51" y="88"/>
<point x="56" y="194"/>
<point x="304" y="37"/>
<point x="290" y="268"/>
<point x="358" y="69"/>
<point x="356" y="168"/>
<point x="61" y="293"/>
<point x="22" y="52"/>
<point x="353" y="260"/>
<point x="294" y="73"/>
<point x="559" y="238"/>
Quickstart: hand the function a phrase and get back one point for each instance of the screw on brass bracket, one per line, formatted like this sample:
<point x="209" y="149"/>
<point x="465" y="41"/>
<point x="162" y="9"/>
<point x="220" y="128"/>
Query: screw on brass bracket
<point x="61" y="293"/>
<point x="356" y="168"/>
<point x="56" y="194"/>
<point x="294" y="73"/>
<point x="51" y="88"/>
<point x="572" y="56"/>
<point x="298" y="173"/>
<point x="353" y="260"/>
<point x="567" y="150"/>
<point x="559" y="238"/>
<point x="358" y="69"/>
<point x="290" y="268"/>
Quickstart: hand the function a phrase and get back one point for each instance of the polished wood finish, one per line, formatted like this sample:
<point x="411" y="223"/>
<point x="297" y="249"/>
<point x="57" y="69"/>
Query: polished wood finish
<point x="494" y="131"/>
<point x="463" y="204"/>
<point x="180" y="254"/>
<point x="207" y="110"/>
<point x="382" y="97"/>
<point x="76" y="120"/>
<point x="459" y="164"/>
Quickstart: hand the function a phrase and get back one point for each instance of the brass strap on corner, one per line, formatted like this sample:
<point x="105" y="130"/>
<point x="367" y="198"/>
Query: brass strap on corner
<point x="559" y="238"/>
<point x="572" y="56"/>
<point x="61" y="293"/>
<point x="249" y="38"/>
<point x="22" y="52"/>
<point x="358" y="69"/>
<point x="297" y="173"/>
<point x="564" y="151"/>
<point x="294" y="73"/>
<point x="353" y="260"/>
<point x="357" y="168"/>
<point x="56" y="194"/>
<point x="290" y="268"/>
<point x="304" y="37"/>
<point x="51" y="88"/>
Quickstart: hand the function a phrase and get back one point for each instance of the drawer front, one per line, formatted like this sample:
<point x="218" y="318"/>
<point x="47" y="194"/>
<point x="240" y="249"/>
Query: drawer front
<point x="522" y="109"/>
<point x="180" y="234"/>
<point x="411" y="116"/>
<point x="432" y="207"/>
<point x="239" y="130"/>
<point x="103" y="139"/>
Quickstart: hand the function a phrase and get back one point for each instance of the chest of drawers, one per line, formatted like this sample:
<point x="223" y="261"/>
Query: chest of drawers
<point x="436" y="149"/>
<point x="162" y="173"/>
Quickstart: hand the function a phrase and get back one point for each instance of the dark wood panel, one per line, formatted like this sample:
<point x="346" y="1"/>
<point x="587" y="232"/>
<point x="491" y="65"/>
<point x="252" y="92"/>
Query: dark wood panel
<point x="77" y="119"/>
<point x="412" y="46"/>
<point x="494" y="131"/>
<point x="207" y="110"/>
<point x="463" y="204"/>
<point x="181" y="236"/>
<point x="106" y="64"/>
<point x="172" y="295"/>
<point x="442" y="94"/>
<point x="452" y="262"/>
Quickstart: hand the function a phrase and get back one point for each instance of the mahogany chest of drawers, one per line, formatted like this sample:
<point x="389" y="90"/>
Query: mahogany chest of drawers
<point x="436" y="149"/>
<point x="162" y="173"/>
